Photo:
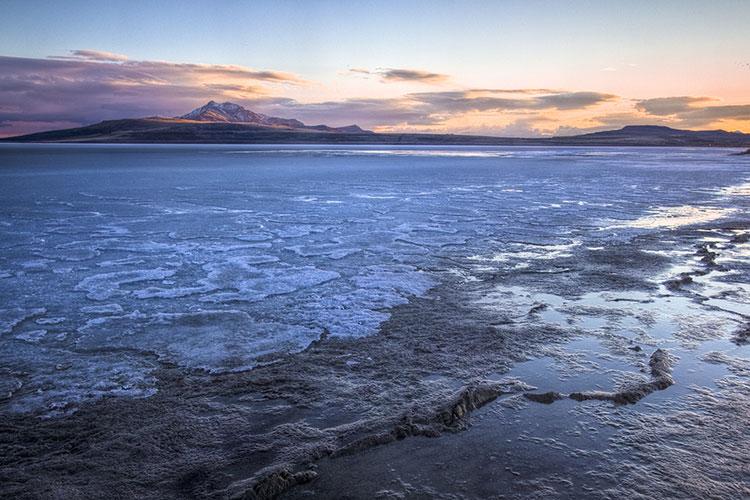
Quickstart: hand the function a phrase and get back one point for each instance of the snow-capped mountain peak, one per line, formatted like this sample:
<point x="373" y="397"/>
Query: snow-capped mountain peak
<point x="230" y="112"/>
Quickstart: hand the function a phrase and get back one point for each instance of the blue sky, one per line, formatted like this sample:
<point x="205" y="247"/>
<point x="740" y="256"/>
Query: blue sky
<point x="635" y="50"/>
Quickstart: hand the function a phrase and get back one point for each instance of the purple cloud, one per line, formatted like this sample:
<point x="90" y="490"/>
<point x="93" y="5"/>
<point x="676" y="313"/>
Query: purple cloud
<point x="90" y="86"/>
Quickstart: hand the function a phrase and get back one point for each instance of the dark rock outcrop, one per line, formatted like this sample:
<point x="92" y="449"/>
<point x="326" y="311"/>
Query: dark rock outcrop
<point x="450" y="416"/>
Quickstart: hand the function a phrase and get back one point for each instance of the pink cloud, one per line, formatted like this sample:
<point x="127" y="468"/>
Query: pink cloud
<point x="94" y="55"/>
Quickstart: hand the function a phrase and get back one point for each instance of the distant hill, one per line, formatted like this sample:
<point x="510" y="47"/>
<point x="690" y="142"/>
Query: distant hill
<point x="653" y="135"/>
<point x="229" y="123"/>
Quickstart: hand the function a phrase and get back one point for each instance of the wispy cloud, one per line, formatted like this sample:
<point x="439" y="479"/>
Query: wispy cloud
<point x="528" y="91"/>
<point x="93" y="55"/>
<point x="403" y="75"/>
<point x="413" y="75"/>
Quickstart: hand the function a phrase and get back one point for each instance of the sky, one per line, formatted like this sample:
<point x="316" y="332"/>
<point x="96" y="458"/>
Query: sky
<point x="504" y="68"/>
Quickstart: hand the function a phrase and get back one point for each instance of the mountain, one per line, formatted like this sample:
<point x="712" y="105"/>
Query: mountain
<point x="229" y="123"/>
<point x="229" y="112"/>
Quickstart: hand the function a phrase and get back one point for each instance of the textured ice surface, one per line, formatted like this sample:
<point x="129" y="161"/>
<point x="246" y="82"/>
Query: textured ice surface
<point x="10" y="318"/>
<point x="218" y="258"/>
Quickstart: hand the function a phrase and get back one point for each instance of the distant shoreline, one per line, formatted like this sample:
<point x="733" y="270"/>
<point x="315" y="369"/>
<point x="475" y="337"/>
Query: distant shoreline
<point x="158" y="131"/>
<point x="4" y="142"/>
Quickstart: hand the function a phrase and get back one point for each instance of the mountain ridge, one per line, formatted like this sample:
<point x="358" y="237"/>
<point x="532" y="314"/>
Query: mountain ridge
<point x="229" y="123"/>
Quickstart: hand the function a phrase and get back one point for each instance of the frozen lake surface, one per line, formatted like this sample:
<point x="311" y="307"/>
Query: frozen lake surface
<point x="223" y="257"/>
<point x="224" y="321"/>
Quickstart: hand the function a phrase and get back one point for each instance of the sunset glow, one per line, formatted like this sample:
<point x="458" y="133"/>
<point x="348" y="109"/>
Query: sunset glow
<point x="497" y="68"/>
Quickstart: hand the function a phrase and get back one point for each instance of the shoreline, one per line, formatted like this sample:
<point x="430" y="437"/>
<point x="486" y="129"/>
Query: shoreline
<point x="166" y="131"/>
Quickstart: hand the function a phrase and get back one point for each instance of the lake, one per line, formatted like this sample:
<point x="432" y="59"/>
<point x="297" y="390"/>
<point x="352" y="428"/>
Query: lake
<point x="120" y="262"/>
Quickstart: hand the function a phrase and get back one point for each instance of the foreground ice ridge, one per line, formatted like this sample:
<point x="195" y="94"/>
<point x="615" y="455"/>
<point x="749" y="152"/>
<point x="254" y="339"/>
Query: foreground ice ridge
<point x="450" y="416"/>
<point x="661" y="378"/>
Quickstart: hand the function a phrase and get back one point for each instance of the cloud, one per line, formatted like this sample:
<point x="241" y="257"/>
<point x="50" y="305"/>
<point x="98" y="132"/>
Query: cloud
<point x="515" y="91"/>
<point x="509" y="112"/>
<point x="534" y="125"/>
<point x="688" y="111"/>
<point x="466" y="101"/>
<point x="713" y="114"/>
<point x="574" y="100"/>
<point x="94" y="55"/>
<point x="422" y="110"/>
<point x="664" y="106"/>
<point x="368" y="113"/>
<point x="413" y="75"/>
<point x="403" y="75"/>
<point x="90" y="86"/>
<point x="483" y="100"/>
